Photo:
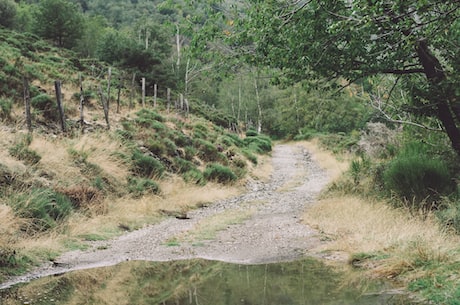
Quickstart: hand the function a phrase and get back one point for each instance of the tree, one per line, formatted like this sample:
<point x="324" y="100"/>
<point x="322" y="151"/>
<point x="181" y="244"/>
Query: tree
<point x="7" y="13"/>
<point x="59" y="21"/>
<point x="356" y="39"/>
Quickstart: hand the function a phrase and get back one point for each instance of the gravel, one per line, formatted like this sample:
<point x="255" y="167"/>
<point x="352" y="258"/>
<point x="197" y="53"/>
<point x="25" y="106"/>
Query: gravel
<point x="274" y="231"/>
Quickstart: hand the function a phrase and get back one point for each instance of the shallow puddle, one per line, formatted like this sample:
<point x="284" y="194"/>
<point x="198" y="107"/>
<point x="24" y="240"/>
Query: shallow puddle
<point x="202" y="282"/>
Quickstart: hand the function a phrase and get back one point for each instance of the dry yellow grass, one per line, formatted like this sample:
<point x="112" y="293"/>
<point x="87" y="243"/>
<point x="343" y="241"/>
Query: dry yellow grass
<point x="356" y="226"/>
<point x="100" y="148"/>
<point x="55" y="159"/>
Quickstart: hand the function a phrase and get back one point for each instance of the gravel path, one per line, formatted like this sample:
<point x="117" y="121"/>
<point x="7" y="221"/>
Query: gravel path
<point x="272" y="232"/>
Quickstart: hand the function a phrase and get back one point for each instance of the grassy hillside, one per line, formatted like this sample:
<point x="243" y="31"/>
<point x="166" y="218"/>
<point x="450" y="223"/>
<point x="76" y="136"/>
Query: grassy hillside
<point x="58" y="189"/>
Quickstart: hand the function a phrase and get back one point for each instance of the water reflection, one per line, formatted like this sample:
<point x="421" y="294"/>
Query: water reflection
<point x="201" y="282"/>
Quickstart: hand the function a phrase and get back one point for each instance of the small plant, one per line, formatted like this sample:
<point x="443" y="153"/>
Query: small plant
<point x="251" y="157"/>
<point x="45" y="104"/>
<point x="416" y="177"/>
<point x="141" y="186"/>
<point x="206" y="150"/>
<point x="252" y="133"/>
<point x="146" y="166"/>
<point x="22" y="151"/>
<point x="44" y="207"/>
<point x="219" y="173"/>
<point x="259" y="144"/>
<point x="182" y="165"/>
<point x="194" y="176"/>
<point x="5" y="108"/>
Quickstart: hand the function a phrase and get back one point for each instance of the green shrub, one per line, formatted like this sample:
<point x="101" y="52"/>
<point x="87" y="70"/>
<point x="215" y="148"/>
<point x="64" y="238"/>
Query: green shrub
<point x="194" y="176"/>
<point x="45" y="104"/>
<point x="207" y="151"/>
<point x="190" y="152"/>
<point x="231" y="138"/>
<point x="171" y="148"/>
<point x="146" y="166"/>
<point x="219" y="173"/>
<point x="44" y="207"/>
<point x="251" y="157"/>
<point x="140" y="186"/>
<point x="149" y="115"/>
<point x="252" y="133"/>
<point x="418" y="179"/>
<point x="156" y="147"/>
<point x="183" y="166"/>
<point x="6" y="105"/>
<point x="259" y="144"/>
<point x="181" y="139"/>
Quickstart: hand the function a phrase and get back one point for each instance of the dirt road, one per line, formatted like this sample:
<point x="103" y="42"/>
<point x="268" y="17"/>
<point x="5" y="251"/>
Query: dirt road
<point x="263" y="225"/>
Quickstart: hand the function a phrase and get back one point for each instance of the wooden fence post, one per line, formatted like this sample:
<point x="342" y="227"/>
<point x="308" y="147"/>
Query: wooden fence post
<point x="104" y="105"/>
<point x="131" y="96"/>
<point x="143" y="92"/>
<point x="82" y="103"/>
<point x="168" y="97"/>
<point x="155" y="89"/>
<point x="120" y="84"/>
<point x="27" y="104"/>
<point x="57" y="86"/>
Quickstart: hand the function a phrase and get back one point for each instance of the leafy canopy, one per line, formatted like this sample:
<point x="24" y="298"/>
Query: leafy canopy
<point x="416" y="40"/>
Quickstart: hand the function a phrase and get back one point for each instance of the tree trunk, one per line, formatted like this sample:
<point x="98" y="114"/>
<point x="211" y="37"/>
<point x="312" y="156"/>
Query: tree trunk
<point x="143" y="92"/>
<point x="259" y="107"/>
<point x="435" y="75"/>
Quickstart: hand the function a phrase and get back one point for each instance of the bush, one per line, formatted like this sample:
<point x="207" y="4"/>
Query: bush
<point x="146" y="166"/>
<point x="219" y="173"/>
<point x="5" y="108"/>
<point x="418" y="179"/>
<point x="194" y="176"/>
<point x="251" y="133"/>
<point x="140" y="186"/>
<point x="44" y="207"/>
<point x="45" y="104"/>
<point x="232" y="139"/>
<point x="206" y="150"/>
<point x="259" y="144"/>
<point x="183" y="166"/>
<point x="251" y="157"/>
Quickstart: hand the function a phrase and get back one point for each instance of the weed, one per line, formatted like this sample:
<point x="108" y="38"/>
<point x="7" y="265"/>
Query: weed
<point x="195" y="176"/>
<point x="21" y="151"/>
<point x="251" y="157"/>
<point x="207" y="151"/>
<point x="45" y="104"/>
<point x="259" y="144"/>
<point x="6" y="105"/>
<point x="146" y="166"/>
<point x="219" y="173"/>
<point x="140" y="186"/>
<point x="44" y="207"/>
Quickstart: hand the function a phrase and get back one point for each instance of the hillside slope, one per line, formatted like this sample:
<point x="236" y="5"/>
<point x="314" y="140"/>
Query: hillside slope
<point x="89" y="182"/>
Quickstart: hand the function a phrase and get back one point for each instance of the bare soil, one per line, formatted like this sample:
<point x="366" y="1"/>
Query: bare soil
<point x="272" y="231"/>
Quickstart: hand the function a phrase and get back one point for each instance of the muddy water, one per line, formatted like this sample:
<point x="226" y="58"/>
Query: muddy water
<point x="202" y="282"/>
